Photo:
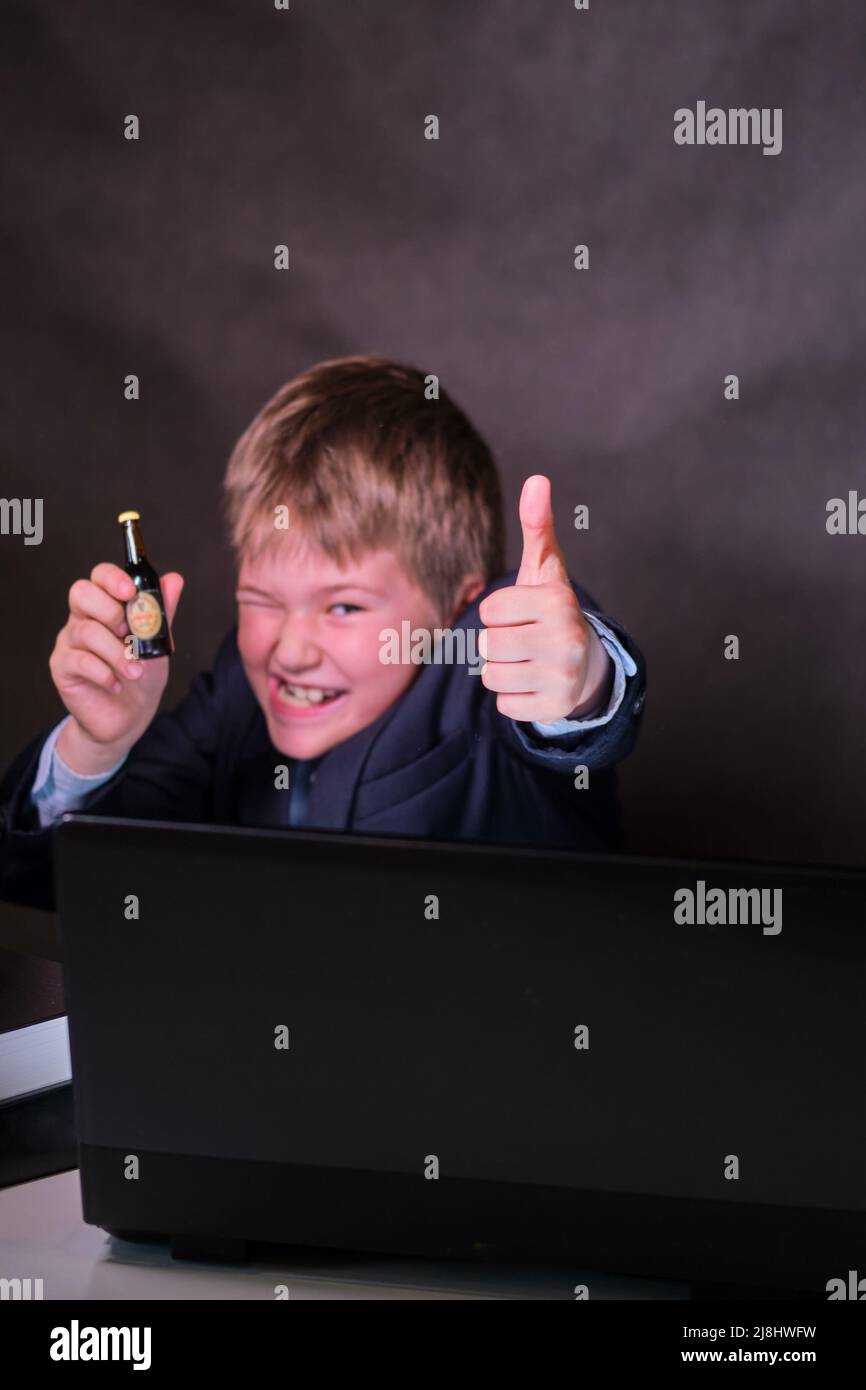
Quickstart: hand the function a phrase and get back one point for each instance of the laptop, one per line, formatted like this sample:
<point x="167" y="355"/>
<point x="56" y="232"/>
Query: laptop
<point x="639" y="1065"/>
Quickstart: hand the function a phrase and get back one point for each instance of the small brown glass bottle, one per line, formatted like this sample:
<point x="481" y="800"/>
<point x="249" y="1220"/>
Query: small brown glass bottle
<point x="145" y="613"/>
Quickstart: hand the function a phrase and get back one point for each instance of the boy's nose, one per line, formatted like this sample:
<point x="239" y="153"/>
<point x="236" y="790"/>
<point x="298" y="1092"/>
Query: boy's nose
<point x="296" y="650"/>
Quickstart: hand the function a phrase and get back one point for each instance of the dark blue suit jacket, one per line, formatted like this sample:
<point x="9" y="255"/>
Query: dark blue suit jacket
<point x="441" y="763"/>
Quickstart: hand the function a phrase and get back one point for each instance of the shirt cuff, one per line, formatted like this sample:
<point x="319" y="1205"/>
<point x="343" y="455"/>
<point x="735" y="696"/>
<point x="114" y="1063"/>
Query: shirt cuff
<point x="624" y="666"/>
<point x="56" y="787"/>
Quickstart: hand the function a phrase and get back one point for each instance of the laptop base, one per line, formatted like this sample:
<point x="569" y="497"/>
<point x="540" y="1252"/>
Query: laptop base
<point x="212" y="1209"/>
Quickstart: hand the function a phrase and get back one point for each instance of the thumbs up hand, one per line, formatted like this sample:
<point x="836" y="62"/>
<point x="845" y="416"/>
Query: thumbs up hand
<point x="542" y="657"/>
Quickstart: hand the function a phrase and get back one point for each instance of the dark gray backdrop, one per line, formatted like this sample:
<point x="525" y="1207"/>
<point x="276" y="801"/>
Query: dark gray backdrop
<point x="260" y="127"/>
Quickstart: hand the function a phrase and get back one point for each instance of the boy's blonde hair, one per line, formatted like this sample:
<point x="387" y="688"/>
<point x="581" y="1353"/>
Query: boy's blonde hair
<point x="363" y="461"/>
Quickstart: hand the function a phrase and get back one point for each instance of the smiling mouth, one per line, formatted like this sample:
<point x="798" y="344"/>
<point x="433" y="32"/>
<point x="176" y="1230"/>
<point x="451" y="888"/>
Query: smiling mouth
<point x="302" y="696"/>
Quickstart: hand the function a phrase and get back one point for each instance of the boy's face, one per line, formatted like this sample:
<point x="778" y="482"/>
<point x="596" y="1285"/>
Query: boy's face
<point x="308" y="635"/>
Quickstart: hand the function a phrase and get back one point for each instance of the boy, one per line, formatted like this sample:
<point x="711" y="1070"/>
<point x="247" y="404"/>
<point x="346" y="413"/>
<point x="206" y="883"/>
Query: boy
<point x="394" y="525"/>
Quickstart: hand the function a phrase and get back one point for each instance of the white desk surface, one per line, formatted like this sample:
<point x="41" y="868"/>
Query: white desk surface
<point x="42" y="1236"/>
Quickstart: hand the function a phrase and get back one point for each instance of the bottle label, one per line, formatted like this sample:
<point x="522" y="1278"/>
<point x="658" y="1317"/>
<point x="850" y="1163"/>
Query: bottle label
<point x="144" y="615"/>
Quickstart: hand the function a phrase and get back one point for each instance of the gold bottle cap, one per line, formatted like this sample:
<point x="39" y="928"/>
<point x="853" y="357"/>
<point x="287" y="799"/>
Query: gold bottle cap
<point x="129" y="516"/>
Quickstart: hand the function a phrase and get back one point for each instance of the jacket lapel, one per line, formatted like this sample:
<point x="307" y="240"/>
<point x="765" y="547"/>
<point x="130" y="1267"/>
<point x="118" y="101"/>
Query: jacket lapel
<point x="332" y="781"/>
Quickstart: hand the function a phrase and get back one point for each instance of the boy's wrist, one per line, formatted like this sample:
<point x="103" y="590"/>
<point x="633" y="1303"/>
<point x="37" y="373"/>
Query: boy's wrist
<point x="599" y="681"/>
<point x="83" y="755"/>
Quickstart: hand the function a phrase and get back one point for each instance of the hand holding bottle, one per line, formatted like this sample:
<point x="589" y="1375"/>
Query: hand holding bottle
<point x="111" y="698"/>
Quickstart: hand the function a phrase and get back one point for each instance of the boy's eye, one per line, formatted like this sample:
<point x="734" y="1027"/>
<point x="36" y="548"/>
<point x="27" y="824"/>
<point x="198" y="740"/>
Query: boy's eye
<point x="352" y="607"/>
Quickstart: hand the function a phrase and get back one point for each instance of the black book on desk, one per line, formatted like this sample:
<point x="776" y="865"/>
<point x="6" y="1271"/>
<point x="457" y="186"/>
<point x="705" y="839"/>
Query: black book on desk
<point x="37" y="1133"/>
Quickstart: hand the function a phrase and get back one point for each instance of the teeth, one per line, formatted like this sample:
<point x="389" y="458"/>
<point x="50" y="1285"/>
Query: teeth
<point x="305" y="695"/>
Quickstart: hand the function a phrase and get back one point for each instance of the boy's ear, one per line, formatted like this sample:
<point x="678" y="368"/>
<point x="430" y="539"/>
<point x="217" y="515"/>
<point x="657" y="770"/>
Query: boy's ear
<point x="469" y="589"/>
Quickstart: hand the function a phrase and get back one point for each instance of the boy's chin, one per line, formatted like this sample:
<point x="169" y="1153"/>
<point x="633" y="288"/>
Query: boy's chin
<point x="301" y="742"/>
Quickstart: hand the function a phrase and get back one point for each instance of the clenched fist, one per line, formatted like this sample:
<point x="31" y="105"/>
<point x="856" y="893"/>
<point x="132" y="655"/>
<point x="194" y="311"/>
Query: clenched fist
<point x="542" y="657"/>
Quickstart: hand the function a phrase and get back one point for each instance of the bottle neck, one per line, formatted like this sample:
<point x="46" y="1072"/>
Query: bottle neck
<point x="135" y="550"/>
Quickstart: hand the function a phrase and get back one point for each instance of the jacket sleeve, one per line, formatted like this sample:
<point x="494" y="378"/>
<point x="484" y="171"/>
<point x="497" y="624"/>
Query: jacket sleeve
<point x="168" y="775"/>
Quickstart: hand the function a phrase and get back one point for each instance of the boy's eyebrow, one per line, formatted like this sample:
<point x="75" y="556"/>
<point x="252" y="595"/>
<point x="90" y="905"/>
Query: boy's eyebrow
<point x="326" y="589"/>
<point x="347" y="584"/>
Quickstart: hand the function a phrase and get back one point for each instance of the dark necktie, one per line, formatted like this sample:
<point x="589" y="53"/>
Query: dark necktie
<point x="299" y="789"/>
